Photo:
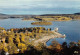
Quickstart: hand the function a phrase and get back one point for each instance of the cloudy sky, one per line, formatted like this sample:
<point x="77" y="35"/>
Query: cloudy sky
<point x="39" y="6"/>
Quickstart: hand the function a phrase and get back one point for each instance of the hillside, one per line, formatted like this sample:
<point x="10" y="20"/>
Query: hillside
<point x="3" y="16"/>
<point x="73" y="16"/>
<point x="77" y="13"/>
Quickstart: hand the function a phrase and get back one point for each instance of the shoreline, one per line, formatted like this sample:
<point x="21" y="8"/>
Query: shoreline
<point x="45" y="39"/>
<point x="50" y="21"/>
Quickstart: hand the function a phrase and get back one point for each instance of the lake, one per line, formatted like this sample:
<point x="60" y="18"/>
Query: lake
<point x="70" y="28"/>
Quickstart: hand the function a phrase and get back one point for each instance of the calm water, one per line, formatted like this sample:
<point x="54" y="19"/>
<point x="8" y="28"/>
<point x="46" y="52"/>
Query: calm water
<point x="70" y="28"/>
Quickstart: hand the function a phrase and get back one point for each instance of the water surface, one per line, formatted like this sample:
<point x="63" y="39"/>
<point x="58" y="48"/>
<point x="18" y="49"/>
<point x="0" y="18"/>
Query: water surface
<point x="70" y="28"/>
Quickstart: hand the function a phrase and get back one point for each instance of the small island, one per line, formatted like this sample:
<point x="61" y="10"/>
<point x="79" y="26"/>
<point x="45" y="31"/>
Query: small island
<point x="42" y="23"/>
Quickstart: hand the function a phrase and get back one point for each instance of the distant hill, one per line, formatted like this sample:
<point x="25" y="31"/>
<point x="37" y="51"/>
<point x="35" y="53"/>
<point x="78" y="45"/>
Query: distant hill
<point x="73" y="16"/>
<point x="60" y="14"/>
<point x="77" y="13"/>
<point x="2" y="14"/>
<point x="48" y="14"/>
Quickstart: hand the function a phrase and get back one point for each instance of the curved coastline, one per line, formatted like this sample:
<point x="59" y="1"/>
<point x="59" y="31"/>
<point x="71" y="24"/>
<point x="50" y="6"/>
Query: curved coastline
<point x="45" y="39"/>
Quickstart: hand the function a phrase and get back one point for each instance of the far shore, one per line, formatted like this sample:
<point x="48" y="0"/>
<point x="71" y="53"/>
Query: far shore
<point x="53" y="20"/>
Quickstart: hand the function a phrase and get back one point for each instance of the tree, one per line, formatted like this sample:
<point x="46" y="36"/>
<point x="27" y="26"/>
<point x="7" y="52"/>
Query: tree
<point x="5" y="49"/>
<point x="79" y="43"/>
<point x="40" y="31"/>
<point x="11" y="30"/>
<point x="55" y="46"/>
<point x="48" y="29"/>
<point x="1" y="46"/>
<point x="22" y="37"/>
<point x="22" y="47"/>
<point x="12" y="48"/>
<point x="64" y="44"/>
<point x="17" y="39"/>
<point x="72" y="44"/>
<point x="10" y="40"/>
<point x="3" y="40"/>
<point x="4" y="31"/>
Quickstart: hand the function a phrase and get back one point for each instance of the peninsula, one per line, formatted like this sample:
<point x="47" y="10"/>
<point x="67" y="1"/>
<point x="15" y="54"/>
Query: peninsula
<point x="16" y="40"/>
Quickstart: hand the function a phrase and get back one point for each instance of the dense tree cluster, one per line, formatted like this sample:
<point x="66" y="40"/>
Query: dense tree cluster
<point x="20" y="42"/>
<point x="16" y="40"/>
<point x="73" y="48"/>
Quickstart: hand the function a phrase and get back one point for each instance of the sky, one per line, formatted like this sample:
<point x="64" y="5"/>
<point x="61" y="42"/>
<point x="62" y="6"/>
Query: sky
<point x="39" y="6"/>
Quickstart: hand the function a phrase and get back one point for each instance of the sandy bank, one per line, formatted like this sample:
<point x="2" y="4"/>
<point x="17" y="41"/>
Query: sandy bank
<point x="47" y="38"/>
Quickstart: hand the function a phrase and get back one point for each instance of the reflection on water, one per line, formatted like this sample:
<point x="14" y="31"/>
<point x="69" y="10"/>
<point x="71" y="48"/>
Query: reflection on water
<point x="60" y="40"/>
<point x="70" y="28"/>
